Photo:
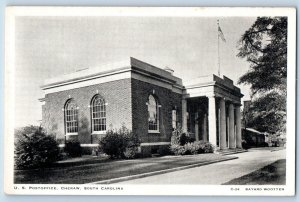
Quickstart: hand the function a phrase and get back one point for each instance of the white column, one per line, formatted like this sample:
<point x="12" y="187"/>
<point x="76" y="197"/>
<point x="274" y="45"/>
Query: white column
<point x="222" y="124"/>
<point x="204" y="128"/>
<point x="212" y="128"/>
<point x="184" y="118"/>
<point x="238" y="127"/>
<point x="231" y="127"/>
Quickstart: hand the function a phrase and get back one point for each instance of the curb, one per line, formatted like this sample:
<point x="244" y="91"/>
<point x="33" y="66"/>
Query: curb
<point x="78" y="163"/>
<point x="132" y="177"/>
<point x="236" y="152"/>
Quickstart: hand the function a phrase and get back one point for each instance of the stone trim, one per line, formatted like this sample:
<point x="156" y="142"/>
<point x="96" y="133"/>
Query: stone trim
<point x="82" y="145"/>
<point x="154" y="143"/>
<point x="70" y="134"/>
<point x="99" y="132"/>
<point x="86" y="82"/>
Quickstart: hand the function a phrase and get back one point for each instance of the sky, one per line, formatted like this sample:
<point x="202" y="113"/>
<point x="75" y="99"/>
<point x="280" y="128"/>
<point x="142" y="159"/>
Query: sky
<point x="50" y="46"/>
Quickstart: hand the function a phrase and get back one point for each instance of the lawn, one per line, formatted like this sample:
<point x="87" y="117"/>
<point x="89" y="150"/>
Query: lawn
<point x="273" y="174"/>
<point x="272" y="149"/>
<point x="110" y="169"/>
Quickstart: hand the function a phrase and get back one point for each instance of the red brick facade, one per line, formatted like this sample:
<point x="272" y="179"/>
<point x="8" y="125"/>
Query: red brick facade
<point x="167" y="100"/>
<point x="117" y="95"/>
<point x="126" y="104"/>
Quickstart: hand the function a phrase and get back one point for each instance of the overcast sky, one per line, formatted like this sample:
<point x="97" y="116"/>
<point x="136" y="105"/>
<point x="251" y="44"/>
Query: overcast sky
<point x="51" y="46"/>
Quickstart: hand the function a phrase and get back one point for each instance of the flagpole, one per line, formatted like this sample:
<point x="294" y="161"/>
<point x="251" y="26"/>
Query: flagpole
<point x="218" y="48"/>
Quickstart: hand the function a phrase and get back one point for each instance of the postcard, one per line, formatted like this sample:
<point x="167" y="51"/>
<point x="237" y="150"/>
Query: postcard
<point x="150" y="101"/>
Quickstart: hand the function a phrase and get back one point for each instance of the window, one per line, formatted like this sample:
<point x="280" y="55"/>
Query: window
<point x="98" y="114"/>
<point x="71" y="117"/>
<point x="174" y="119"/>
<point x="153" y="115"/>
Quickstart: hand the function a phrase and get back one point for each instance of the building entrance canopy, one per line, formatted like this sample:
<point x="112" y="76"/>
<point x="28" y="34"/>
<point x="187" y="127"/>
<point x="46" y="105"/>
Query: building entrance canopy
<point x="211" y="111"/>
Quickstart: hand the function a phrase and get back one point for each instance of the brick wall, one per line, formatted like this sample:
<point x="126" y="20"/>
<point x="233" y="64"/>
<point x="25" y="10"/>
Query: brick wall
<point x="126" y="105"/>
<point x="166" y="98"/>
<point x="118" y="111"/>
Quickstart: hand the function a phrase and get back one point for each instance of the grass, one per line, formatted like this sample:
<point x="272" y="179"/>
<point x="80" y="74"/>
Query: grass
<point x="273" y="174"/>
<point x="268" y="148"/>
<point x="108" y="169"/>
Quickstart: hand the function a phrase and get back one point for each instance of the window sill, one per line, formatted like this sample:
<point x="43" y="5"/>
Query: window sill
<point x="71" y="134"/>
<point x="99" y="132"/>
<point x="153" y="131"/>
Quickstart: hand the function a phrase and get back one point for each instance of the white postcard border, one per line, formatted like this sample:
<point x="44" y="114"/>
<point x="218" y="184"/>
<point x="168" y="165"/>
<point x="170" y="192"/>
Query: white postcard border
<point x="11" y="188"/>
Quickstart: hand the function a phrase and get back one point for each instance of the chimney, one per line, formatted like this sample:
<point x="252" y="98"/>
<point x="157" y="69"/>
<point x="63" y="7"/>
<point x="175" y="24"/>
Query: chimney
<point x="168" y="69"/>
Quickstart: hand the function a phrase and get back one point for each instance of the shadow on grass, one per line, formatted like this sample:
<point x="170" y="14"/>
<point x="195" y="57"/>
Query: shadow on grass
<point x="109" y="169"/>
<point x="273" y="174"/>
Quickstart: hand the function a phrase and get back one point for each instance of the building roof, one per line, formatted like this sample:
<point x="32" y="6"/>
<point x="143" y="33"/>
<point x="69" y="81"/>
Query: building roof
<point x="132" y="65"/>
<point x="137" y="69"/>
<point x="254" y="131"/>
<point x="212" y="79"/>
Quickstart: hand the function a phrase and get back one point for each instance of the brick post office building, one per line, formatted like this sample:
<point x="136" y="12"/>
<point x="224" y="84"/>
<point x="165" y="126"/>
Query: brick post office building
<point x="146" y="99"/>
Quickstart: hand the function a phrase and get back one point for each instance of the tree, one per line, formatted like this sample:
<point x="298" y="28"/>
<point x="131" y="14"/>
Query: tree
<point x="264" y="46"/>
<point x="34" y="148"/>
<point x="267" y="113"/>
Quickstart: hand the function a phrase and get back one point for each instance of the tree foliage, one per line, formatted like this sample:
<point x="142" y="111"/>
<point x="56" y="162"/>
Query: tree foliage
<point x="34" y="148"/>
<point x="264" y="46"/>
<point x="267" y="113"/>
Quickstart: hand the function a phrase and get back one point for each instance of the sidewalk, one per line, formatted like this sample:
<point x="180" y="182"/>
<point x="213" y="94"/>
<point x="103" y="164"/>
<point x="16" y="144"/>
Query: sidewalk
<point x="217" y="173"/>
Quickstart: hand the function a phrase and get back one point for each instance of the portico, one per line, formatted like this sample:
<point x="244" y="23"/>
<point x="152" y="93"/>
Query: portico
<point x="211" y="111"/>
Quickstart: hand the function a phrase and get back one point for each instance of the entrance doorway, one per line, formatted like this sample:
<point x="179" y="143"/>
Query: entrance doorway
<point x="197" y="118"/>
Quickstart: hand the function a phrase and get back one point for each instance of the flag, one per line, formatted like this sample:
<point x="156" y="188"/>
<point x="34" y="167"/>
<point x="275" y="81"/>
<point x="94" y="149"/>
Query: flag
<point x="221" y="35"/>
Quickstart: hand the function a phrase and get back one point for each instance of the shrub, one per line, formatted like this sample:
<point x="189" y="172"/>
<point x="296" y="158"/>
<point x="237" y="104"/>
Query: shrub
<point x="154" y="149"/>
<point x="184" y="139"/>
<point x="245" y="144"/>
<point x="208" y="147"/>
<point x="130" y="152"/>
<point x="182" y="144"/>
<point x="35" y="149"/>
<point x="198" y="147"/>
<point x="27" y="130"/>
<point x="177" y="149"/>
<point x="163" y="150"/>
<point x="191" y="148"/>
<point x="73" y="148"/>
<point x="111" y="144"/>
<point x="87" y="150"/>
<point x="179" y="137"/>
<point x="116" y="142"/>
<point x="175" y="138"/>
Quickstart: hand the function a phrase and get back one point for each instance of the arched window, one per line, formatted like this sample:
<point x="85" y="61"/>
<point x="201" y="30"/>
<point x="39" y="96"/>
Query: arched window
<point x="98" y="114"/>
<point x="153" y="114"/>
<point x="71" y="117"/>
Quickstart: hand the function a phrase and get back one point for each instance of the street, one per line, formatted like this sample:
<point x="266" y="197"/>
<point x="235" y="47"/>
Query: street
<point x="217" y="173"/>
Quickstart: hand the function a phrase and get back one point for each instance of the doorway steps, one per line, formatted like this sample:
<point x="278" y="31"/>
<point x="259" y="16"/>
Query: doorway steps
<point x="225" y="152"/>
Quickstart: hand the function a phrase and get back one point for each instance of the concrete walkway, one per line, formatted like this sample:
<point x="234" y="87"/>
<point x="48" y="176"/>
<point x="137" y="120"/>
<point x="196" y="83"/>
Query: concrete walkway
<point x="217" y="173"/>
